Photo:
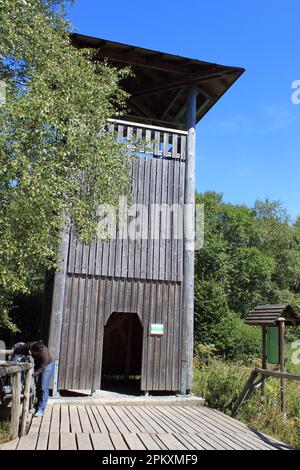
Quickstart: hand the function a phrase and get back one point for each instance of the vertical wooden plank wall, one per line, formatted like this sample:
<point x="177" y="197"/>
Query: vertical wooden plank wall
<point x="142" y="276"/>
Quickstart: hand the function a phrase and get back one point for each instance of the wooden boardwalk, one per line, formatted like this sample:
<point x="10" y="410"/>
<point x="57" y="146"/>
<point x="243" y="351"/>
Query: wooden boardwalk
<point x="98" y="427"/>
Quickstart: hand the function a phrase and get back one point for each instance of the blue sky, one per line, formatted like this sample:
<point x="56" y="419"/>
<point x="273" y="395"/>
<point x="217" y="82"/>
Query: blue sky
<point x="248" y="144"/>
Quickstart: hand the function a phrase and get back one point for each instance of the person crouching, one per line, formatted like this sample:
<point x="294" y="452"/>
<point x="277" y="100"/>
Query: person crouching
<point x="43" y="372"/>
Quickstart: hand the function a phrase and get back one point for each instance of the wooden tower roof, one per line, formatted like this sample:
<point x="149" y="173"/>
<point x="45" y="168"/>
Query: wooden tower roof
<point x="158" y="87"/>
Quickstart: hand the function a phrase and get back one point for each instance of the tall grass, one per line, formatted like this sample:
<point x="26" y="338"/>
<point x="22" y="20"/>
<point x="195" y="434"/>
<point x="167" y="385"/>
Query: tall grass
<point x="4" y="431"/>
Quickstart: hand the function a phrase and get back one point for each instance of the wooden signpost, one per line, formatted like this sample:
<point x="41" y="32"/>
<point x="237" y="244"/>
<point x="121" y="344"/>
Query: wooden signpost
<point x="273" y="319"/>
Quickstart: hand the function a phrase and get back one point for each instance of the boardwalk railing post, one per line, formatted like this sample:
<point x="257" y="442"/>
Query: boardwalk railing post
<point x="282" y="365"/>
<point x="26" y="400"/>
<point x="264" y="358"/>
<point x="16" y="404"/>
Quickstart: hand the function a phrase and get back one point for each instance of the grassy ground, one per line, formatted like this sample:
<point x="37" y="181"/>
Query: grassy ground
<point x="220" y="383"/>
<point x="4" y="431"/>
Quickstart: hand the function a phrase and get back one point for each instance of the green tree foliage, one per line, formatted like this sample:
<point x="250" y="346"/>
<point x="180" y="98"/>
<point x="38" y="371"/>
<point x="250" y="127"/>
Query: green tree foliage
<point x="250" y="256"/>
<point x="56" y="156"/>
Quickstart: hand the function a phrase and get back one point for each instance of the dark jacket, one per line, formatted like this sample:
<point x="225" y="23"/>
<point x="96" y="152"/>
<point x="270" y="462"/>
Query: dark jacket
<point x="41" y="356"/>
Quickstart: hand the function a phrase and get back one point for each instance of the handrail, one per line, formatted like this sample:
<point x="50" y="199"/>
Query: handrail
<point x="148" y="126"/>
<point x="278" y="374"/>
<point x="9" y="368"/>
<point x="15" y="369"/>
<point x="250" y="385"/>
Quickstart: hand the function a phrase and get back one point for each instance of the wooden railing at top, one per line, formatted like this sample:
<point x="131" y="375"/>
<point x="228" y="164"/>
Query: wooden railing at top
<point x="154" y="141"/>
<point x="15" y="369"/>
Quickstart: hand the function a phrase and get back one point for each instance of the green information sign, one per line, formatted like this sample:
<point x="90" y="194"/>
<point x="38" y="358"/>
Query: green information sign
<point x="156" y="329"/>
<point x="273" y="345"/>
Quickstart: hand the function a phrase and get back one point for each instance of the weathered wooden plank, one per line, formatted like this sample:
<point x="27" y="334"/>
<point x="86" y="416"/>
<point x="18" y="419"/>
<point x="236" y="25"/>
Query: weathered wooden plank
<point x="164" y="359"/>
<point x="35" y="426"/>
<point x="84" y="420"/>
<point x="46" y="420"/>
<point x="85" y="357"/>
<point x="100" y="314"/>
<point x="28" y="442"/>
<point x="145" y="218"/>
<point x="171" y="442"/>
<point x="149" y="442"/>
<point x="163" y="421"/>
<point x="92" y="333"/>
<point x="93" y="421"/>
<point x="118" y="441"/>
<point x="11" y="445"/>
<point x="177" y="338"/>
<point x="147" y="416"/>
<point x="85" y="259"/>
<point x="110" y="425"/>
<point x="111" y="410"/>
<point x="170" y="335"/>
<point x="147" y="377"/>
<point x="100" y="423"/>
<point x="67" y="350"/>
<point x="175" y="233"/>
<point x="189" y="442"/>
<point x="102" y="441"/>
<point x="142" y="186"/>
<point x="164" y="217"/>
<point x="156" y="223"/>
<point x="158" y="339"/>
<point x="130" y="425"/>
<point x="133" y="442"/>
<point x="65" y="333"/>
<point x="68" y="441"/>
<point x="74" y="419"/>
<point x="76" y="324"/>
<point x="131" y="223"/>
<point x="174" y="423"/>
<point x="84" y="441"/>
<point x="42" y="442"/>
<point x="132" y="418"/>
<point x="146" y="426"/>
<point x="92" y="258"/>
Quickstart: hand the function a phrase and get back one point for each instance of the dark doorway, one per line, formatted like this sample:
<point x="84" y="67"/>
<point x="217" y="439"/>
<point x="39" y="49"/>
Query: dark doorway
<point x="122" y="352"/>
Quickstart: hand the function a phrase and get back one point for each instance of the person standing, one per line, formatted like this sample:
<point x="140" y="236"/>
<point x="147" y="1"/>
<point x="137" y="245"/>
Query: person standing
<point x="43" y="372"/>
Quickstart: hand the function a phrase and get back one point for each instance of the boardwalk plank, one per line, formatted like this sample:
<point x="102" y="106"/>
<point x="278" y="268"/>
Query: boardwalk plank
<point x="149" y="441"/>
<point x="102" y="441"/>
<point x="107" y="419"/>
<point x="133" y="442"/>
<point x="42" y="443"/>
<point x="129" y="423"/>
<point x="11" y="445"/>
<point x="28" y="442"/>
<point x="93" y="421"/>
<point x="68" y="441"/>
<point x="64" y="419"/>
<point x="122" y="428"/>
<point x="118" y="441"/>
<point x="150" y="419"/>
<point x="170" y="441"/>
<point x="74" y="419"/>
<point x="84" y="420"/>
<point x="54" y="429"/>
<point x="84" y="441"/>
<point x="100" y="423"/>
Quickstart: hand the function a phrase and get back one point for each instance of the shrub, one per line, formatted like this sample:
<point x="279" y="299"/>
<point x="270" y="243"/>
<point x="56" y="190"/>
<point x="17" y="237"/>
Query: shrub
<point x="236" y="340"/>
